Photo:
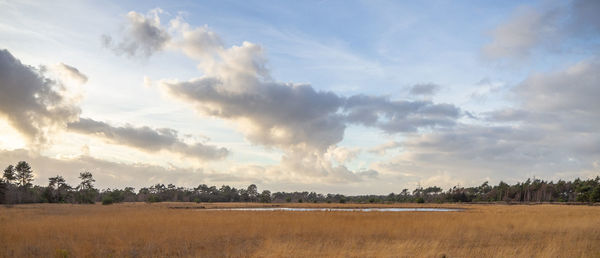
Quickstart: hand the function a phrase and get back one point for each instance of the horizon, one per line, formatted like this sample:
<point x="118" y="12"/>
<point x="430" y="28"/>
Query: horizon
<point x="371" y="98"/>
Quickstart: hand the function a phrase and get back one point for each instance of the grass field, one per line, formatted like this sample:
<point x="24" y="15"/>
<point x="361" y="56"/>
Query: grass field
<point x="157" y="230"/>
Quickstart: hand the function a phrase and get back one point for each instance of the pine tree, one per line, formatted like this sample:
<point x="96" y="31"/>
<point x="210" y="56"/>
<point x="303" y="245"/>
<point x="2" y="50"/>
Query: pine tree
<point x="24" y="174"/>
<point x="9" y="174"/>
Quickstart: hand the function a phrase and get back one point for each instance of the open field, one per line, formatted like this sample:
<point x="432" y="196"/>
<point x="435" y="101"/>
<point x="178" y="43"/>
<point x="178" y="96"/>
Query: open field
<point x="144" y="230"/>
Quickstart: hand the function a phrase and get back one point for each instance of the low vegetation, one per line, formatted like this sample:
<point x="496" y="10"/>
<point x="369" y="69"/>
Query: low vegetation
<point x="154" y="230"/>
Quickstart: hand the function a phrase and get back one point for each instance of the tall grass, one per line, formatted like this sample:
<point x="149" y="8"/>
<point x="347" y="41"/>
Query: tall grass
<point x="144" y="230"/>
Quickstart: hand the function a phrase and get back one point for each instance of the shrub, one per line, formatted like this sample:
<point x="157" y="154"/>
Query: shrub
<point x="61" y="253"/>
<point x="153" y="198"/>
<point x="107" y="200"/>
<point x="420" y="200"/>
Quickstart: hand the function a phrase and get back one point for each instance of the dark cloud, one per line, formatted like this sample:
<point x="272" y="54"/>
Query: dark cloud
<point x="34" y="104"/>
<point x="426" y="89"/>
<point x="277" y="114"/>
<point x="395" y="116"/>
<point x="143" y="36"/>
<point x="148" y="139"/>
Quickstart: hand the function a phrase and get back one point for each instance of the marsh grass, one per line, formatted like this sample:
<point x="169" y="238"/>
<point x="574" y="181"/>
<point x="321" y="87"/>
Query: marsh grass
<point x="154" y="230"/>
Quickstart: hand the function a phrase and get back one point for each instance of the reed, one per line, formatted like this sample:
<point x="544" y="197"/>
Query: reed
<point x="157" y="230"/>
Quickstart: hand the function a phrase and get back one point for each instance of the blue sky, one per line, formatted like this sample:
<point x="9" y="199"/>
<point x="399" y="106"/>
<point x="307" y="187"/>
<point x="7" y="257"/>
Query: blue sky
<point x="308" y="95"/>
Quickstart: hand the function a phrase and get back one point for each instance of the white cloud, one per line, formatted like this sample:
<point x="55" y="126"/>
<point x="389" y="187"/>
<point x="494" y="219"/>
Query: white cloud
<point x="143" y="35"/>
<point x="72" y="73"/>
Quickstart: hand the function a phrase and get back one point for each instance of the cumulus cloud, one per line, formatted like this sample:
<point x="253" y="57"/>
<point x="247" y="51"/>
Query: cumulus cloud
<point x="342" y="154"/>
<point x="425" y="89"/>
<point x="33" y="103"/>
<point x="319" y="167"/>
<point x="36" y="106"/>
<point x="300" y="120"/>
<point x="72" y="73"/>
<point x="148" y="139"/>
<point x="237" y="86"/>
<point x="199" y="43"/>
<point x="272" y="114"/>
<point x="143" y="35"/>
<point x="550" y="26"/>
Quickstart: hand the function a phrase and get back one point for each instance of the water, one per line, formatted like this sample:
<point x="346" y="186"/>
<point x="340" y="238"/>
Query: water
<point x="338" y="209"/>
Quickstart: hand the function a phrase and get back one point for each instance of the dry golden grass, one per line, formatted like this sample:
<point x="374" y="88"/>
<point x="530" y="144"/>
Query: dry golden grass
<point x="144" y="230"/>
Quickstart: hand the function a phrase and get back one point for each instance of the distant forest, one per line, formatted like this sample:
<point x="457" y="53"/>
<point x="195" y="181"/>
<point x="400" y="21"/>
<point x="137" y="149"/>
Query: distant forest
<point x="16" y="187"/>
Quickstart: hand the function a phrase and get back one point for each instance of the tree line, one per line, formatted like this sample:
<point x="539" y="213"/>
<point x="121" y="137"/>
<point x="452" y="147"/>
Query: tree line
<point x="16" y="187"/>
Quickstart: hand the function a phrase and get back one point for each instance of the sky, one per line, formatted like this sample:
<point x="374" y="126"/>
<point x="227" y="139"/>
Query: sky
<point x="351" y="97"/>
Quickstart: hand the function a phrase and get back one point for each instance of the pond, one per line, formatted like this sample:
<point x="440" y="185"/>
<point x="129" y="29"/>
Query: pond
<point x="337" y="209"/>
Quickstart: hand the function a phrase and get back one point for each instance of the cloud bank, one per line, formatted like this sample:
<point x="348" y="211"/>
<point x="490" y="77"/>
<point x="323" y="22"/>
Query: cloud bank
<point x="148" y="139"/>
<point x="553" y="132"/>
